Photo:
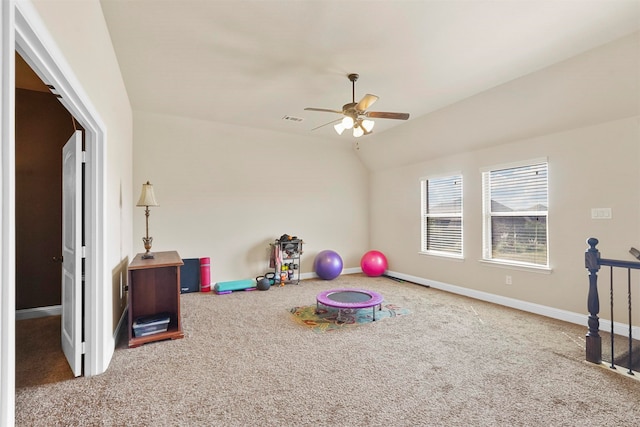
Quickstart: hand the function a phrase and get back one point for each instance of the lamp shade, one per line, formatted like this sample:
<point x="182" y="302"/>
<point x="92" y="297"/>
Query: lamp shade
<point x="147" y="198"/>
<point x="368" y="125"/>
<point x="347" y="122"/>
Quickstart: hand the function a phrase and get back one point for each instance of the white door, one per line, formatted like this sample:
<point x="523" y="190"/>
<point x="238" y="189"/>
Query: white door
<point x="72" y="252"/>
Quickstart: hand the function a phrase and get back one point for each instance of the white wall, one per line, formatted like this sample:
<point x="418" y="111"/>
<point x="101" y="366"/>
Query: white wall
<point x="594" y="162"/>
<point x="226" y="192"/>
<point x="582" y="175"/>
<point x="79" y="30"/>
<point x="79" y="33"/>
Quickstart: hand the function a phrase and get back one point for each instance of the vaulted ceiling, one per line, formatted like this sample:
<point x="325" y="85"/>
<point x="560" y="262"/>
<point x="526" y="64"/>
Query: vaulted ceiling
<point x="257" y="63"/>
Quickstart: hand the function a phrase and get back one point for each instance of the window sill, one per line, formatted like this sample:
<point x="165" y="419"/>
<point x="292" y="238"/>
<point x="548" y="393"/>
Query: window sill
<point x="444" y="255"/>
<point x="516" y="266"/>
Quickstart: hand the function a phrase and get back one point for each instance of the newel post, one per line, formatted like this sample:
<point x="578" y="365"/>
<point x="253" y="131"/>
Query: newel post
<point x="593" y="339"/>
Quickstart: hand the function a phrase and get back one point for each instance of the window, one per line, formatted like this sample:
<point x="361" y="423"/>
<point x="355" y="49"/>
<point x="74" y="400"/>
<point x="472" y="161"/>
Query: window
<point x="515" y="214"/>
<point x="442" y="215"/>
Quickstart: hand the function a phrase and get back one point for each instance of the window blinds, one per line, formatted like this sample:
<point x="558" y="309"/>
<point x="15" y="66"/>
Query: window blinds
<point x="442" y="215"/>
<point x="516" y="206"/>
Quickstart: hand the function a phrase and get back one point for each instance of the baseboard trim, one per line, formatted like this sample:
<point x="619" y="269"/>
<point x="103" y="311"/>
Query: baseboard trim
<point x="346" y="271"/>
<point x="33" y="313"/>
<point x="542" y="310"/>
<point x="122" y="323"/>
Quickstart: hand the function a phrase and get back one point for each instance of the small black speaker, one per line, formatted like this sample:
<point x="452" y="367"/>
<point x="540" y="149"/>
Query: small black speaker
<point x="190" y="275"/>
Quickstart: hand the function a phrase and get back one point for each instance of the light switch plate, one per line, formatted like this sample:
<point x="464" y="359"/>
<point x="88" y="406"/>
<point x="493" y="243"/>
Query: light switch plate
<point x="600" y="213"/>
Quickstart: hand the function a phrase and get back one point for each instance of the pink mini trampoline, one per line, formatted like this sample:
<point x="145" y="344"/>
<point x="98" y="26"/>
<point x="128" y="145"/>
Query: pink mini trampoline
<point x="349" y="299"/>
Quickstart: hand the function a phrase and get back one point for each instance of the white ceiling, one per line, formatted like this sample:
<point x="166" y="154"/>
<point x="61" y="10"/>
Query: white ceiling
<point x="251" y="63"/>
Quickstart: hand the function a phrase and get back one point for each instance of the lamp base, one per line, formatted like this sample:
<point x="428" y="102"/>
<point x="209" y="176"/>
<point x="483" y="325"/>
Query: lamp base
<point x="147" y="245"/>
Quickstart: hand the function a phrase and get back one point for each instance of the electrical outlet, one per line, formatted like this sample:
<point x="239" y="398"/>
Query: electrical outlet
<point x="507" y="280"/>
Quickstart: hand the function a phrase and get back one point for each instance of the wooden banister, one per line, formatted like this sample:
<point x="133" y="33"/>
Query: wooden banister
<point x="593" y="262"/>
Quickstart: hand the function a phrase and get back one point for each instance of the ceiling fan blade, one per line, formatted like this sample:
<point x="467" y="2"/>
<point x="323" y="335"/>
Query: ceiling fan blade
<point x="324" y="110"/>
<point x="328" y="123"/>
<point x="386" y="115"/>
<point x="366" y="102"/>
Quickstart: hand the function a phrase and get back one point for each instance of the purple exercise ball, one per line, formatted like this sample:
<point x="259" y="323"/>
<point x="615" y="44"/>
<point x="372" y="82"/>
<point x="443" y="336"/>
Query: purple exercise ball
<point x="327" y="265"/>
<point x="373" y="263"/>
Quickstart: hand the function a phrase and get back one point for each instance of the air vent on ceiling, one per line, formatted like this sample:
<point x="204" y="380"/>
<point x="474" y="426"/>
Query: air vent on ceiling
<point x="292" y="118"/>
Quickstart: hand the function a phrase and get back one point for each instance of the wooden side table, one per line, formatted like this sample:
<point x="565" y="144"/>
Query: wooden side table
<point x="154" y="288"/>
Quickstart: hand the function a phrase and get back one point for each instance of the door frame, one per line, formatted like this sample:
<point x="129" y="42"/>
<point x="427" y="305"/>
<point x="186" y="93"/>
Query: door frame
<point x="22" y="30"/>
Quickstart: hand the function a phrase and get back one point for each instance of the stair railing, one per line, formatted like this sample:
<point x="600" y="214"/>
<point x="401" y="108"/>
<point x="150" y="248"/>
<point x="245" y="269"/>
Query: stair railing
<point x="593" y="262"/>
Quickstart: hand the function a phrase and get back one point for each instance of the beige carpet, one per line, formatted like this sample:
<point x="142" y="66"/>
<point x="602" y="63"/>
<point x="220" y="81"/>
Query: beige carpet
<point x="244" y="361"/>
<point x="39" y="357"/>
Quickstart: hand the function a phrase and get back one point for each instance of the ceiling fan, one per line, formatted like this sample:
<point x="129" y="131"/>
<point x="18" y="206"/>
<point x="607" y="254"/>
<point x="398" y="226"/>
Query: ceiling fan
<point x="356" y="115"/>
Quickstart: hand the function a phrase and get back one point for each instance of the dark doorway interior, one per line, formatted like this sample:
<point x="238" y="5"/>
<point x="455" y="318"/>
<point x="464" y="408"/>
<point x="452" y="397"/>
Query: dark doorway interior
<point x="43" y="126"/>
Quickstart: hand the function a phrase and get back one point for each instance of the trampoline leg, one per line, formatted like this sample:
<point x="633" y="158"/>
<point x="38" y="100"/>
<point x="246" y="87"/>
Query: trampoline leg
<point x="374" y="311"/>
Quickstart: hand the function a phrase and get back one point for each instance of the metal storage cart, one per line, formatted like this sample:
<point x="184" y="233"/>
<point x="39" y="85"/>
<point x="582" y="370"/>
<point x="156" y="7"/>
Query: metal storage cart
<point x="287" y="252"/>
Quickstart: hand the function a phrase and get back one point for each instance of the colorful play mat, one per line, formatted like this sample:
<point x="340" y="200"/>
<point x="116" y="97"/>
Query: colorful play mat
<point x="326" y="318"/>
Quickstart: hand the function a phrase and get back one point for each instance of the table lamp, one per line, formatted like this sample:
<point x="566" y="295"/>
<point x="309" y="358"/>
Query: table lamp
<point x="147" y="198"/>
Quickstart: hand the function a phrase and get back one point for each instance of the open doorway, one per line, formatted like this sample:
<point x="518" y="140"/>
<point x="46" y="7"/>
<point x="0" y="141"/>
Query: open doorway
<point x="43" y="126"/>
<point x="25" y="33"/>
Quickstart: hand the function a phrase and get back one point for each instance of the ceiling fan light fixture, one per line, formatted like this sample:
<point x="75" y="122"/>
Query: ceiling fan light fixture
<point x="368" y="125"/>
<point x="356" y="114"/>
<point x="347" y="122"/>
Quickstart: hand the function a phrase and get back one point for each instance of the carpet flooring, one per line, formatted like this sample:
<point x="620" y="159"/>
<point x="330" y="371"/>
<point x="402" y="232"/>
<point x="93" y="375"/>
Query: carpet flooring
<point x="39" y="356"/>
<point x="244" y="361"/>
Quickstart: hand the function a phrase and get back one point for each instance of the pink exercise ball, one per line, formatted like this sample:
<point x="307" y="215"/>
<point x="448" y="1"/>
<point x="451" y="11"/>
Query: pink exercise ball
<point x="373" y="263"/>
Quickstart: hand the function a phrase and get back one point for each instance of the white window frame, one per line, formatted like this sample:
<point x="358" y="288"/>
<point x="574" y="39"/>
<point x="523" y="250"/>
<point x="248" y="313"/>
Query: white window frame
<point x="425" y="215"/>
<point x="487" y="252"/>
